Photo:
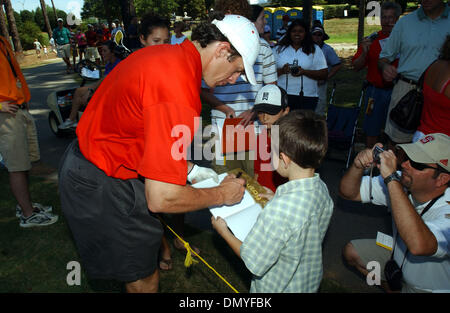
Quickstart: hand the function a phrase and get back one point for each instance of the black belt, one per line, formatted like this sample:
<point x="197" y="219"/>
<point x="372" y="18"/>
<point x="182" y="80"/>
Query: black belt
<point x="407" y="80"/>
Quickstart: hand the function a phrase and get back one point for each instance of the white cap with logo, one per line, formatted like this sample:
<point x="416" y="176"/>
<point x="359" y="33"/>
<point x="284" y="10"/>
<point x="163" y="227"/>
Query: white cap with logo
<point x="244" y="37"/>
<point x="433" y="149"/>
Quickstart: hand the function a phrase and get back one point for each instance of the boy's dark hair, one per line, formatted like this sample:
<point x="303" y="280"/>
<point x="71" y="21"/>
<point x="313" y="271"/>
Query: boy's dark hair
<point x="239" y="7"/>
<point x="206" y="33"/>
<point x="150" y="21"/>
<point x="303" y="137"/>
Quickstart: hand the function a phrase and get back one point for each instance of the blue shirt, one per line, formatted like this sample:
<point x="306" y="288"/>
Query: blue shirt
<point x="330" y="55"/>
<point x="62" y="36"/>
<point x="109" y="66"/>
<point x="416" y="40"/>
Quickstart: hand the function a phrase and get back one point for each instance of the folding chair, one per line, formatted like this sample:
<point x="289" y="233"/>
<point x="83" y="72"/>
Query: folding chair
<point x="342" y="122"/>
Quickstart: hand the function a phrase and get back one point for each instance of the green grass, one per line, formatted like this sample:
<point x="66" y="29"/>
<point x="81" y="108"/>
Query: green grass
<point x="35" y="259"/>
<point x="346" y="30"/>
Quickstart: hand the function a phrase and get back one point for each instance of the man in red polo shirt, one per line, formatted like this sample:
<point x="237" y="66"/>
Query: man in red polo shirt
<point x="378" y="93"/>
<point x="125" y="163"/>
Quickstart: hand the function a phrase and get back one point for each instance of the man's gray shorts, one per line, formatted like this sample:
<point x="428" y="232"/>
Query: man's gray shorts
<point x="116" y="235"/>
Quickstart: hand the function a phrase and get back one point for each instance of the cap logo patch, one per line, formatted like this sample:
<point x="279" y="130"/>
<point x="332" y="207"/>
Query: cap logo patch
<point x="265" y="96"/>
<point x="445" y="162"/>
<point x="427" y="139"/>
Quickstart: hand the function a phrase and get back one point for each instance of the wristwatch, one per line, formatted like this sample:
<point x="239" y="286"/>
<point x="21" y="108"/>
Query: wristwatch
<point x="393" y="176"/>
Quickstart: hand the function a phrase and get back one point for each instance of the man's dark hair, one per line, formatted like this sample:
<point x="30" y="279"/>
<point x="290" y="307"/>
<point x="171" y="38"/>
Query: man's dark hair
<point x="392" y="6"/>
<point x="206" y="33"/>
<point x="151" y="21"/>
<point x="303" y="137"/>
<point x="307" y="43"/>
<point x="238" y="7"/>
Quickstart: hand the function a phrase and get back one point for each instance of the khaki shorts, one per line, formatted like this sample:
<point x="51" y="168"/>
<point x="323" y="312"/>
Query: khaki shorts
<point x="63" y="51"/>
<point x="18" y="141"/>
<point x="368" y="251"/>
<point x="92" y="54"/>
<point x="401" y="88"/>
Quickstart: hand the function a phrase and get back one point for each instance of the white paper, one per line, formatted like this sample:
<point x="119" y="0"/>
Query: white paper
<point x="385" y="241"/>
<point x="240" y="217"/>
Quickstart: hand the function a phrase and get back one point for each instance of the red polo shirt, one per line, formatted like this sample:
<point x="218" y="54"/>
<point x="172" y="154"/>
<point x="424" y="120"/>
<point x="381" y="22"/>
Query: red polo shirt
<point x="374" y="75"/>
<point x="142" y="112"/>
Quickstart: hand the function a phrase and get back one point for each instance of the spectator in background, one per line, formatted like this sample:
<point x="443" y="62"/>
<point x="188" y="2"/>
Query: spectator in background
<point x="91" y="50"/>
<point x="267" y="36"/>
<point x="52" y="44"/>
<point x="154" y="30"/>
<point x="62" y="39"/>
<point x="436" y="95"/>
<point x="178" y="36"/>
<point x="283" y="29"/>
<point x="231" y="101"/>
<point x="19" y="145"/>
<point x="103" y="35"/>
<point x="333" y="62"/>
<point x="378" y="93"/>
<point x="416" y="38"/>
<point x="46" y="52"/>
<point x="37" y="47"/>
<point x="112" y="56"/>
<point x="117" y="28"/>
<point x="82" y="44"/>
<point x="73" y="43"/>
<point x="300" y="65"/>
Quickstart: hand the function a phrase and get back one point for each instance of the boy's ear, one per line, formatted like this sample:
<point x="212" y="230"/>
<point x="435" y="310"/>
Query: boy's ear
<point x="286" y="111"/>
<point x="286" y="159"/>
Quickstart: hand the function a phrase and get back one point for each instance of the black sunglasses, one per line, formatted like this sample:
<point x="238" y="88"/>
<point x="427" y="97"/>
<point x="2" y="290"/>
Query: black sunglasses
<point x="420" y="166"/>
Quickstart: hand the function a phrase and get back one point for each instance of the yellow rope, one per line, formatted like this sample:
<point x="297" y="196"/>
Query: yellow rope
<point x="189" y="259"/>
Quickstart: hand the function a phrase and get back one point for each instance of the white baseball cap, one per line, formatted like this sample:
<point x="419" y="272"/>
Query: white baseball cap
<point x="244" y="37"/>
<point x="60" y="20"/>
<point x="270" y="99"/>
<point x="433" y="148"/>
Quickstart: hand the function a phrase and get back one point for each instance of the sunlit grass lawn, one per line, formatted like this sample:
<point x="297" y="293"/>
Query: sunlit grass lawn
<point x="346" y="30"/>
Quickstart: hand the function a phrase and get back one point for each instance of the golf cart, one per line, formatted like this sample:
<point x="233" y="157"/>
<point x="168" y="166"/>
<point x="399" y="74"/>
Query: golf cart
<point x="60" y="102"/>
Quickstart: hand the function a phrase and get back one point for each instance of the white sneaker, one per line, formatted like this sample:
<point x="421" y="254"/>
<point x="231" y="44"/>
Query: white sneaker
<point x="68" y="123"/>
<point x="35" y="205"/>
<point x="38" y="218"/>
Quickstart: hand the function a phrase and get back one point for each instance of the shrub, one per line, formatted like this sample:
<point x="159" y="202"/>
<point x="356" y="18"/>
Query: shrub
<point x="30" y="31"/>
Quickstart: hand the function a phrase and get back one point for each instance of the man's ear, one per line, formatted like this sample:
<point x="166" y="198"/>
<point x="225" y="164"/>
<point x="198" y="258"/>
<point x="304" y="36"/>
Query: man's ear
<point x="222" y="49"/>
<point x="442" y="179"/>
<point x="286" y="160"/>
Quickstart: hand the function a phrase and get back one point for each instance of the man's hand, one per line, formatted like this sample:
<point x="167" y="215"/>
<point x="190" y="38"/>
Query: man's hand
<point x="199" y="173"/>
<point x="232" y="189"/>
<point x="365" y="45"/>
<point x="388" y="163"/>
<point x="9" y="107"/>
<point x="363" y="159"/>
<point x="389" y="72"/>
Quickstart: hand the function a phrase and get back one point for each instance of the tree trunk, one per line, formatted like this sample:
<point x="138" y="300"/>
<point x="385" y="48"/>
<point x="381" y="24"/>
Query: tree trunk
<point x="128" y="10"/>
<point x="54" y="12"/>
<point x="108" y="12"/>
<point x="307" y="12"/>
<point x="12" y="26"/>
<point x="3" y="27"/>
<point x="47" y="23"/>
<point x="362" y="14"/>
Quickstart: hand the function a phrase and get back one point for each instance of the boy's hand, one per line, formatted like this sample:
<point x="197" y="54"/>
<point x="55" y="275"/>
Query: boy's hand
<point x="268" y="194"/>
<point x="219" y="225"/>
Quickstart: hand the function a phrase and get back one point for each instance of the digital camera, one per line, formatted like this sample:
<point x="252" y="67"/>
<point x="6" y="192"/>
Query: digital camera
<point x="294" y="68"/>
<point x="376" y="154"/>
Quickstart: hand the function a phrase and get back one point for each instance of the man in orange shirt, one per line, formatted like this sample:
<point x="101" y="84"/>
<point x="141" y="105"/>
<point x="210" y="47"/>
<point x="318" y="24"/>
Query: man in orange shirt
<point x="129" y="160"/>
<point x="18" y="139"/>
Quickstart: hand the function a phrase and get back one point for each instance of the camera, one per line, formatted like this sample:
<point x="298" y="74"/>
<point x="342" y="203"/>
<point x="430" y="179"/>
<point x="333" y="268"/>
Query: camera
<point x="376" y="154"/>
<point x="294" y="68"/>
<point x="394" y="275"/>
<point x="373" y="36"/>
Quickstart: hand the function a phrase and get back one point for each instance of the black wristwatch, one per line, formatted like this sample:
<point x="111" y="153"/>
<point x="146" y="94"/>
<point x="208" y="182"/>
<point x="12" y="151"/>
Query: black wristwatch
<point x="393" y="176"/>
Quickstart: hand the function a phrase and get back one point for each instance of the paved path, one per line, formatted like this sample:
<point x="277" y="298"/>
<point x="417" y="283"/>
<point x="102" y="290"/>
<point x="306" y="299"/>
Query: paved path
<point x="349" y="220"/>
